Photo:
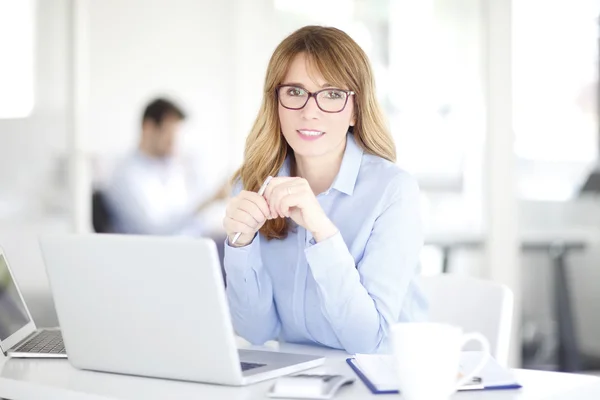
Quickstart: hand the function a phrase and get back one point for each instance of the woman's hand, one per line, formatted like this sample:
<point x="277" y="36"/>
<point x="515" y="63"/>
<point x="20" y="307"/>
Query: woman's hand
<point x="246" y="213"/>
<point x="294" y="198"/>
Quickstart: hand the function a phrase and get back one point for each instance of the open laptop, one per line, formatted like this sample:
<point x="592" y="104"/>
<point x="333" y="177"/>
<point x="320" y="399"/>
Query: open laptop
<point x="19" y="336"/>
<point x="152" y="306"/>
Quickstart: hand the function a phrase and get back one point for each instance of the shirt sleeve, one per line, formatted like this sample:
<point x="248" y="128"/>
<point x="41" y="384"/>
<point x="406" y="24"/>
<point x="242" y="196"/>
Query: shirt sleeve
<point x="250" y="292"/>
<point x="137" y="213"/>
<point x="361" y="301"/>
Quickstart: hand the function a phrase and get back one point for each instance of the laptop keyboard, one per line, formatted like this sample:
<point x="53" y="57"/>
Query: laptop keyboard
<point x="51" y="342"/>
<point x="45" y="342"/>
<point x="247" y="366"/>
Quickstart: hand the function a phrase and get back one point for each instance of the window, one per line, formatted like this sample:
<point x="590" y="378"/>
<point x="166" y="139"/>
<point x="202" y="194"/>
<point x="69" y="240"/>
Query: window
<point x="17" y="55"/>
<point x="555" y="88"/>
<point x="435" y="93"/>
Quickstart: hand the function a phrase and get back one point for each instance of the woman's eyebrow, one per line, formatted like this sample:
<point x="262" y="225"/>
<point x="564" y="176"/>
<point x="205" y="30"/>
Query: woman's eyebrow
<point x="298" y="84"/>
<point x="293" y="84"/>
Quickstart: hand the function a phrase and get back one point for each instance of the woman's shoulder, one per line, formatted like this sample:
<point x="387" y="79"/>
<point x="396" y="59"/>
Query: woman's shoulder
<point x="379" y="174"/>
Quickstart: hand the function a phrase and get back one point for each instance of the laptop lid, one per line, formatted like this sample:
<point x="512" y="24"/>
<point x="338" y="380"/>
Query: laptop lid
<point x="143" y="305"/>
<point x="15" y="320"/>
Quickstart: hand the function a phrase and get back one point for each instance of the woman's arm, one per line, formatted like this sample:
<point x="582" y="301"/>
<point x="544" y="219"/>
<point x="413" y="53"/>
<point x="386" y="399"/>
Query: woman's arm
<point x="361" y="301"/>
<point x="250" y="294"/>
<point x="249" y="287"/>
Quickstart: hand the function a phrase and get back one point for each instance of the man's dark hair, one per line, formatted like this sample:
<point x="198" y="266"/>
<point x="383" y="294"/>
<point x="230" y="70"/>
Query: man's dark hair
<point x="159" y="109"/>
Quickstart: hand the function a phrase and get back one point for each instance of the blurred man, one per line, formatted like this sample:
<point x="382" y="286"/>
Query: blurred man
<point x="151" y="191"/>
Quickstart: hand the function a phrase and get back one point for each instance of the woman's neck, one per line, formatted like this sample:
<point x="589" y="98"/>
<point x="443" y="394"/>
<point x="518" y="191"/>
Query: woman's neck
<point x="320" y="172"/>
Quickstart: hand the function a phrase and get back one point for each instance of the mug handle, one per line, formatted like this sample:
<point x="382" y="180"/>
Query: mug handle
<point x="485" y="350"/>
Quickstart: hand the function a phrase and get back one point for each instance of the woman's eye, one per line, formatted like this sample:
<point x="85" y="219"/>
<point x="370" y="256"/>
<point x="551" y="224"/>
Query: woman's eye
<point x="334" y="94"/>
<point x="296" y="92"/>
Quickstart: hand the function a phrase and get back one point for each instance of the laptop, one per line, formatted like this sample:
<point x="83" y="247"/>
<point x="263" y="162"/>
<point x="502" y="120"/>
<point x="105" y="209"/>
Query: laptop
<point x="152" y="306"/>
<point x="19" y="336"/>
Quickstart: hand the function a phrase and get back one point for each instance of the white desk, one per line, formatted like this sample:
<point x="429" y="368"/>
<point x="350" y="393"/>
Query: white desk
<point x="56" y="379"/>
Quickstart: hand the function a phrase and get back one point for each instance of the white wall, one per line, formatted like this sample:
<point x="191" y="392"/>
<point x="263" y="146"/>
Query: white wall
<point x="29" y="148"/>
<point x="254" y="42"/>
<point x="29" y="145"/>
<point x="140" y="49"/>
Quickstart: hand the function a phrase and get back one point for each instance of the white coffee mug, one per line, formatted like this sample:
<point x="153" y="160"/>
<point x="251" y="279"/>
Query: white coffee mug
<point x="427" y="359"/>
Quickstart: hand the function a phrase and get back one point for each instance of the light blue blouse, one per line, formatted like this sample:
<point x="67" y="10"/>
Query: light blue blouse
<point x="346" y="291"/>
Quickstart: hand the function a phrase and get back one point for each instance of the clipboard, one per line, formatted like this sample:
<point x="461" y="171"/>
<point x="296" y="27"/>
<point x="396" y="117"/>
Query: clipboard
<point x="374" y="390"/>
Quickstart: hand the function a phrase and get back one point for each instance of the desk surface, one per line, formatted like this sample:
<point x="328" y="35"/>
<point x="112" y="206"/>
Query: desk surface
<point x="56" y="379"/>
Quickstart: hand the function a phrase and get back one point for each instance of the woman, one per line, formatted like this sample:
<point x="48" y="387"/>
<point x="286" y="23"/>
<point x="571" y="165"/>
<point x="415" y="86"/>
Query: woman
<point x="339" y="230"/>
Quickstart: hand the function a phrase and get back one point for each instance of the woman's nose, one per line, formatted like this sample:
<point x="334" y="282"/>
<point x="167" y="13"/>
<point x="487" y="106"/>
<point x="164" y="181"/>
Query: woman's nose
<point x="311" y="109"/>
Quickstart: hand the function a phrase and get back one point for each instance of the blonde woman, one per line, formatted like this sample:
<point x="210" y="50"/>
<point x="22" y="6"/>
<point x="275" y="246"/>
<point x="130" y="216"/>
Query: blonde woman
<point x="329" y="253"/>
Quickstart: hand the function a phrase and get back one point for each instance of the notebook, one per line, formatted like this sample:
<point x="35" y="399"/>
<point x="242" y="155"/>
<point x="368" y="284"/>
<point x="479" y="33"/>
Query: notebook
<point x="377" y="373"/>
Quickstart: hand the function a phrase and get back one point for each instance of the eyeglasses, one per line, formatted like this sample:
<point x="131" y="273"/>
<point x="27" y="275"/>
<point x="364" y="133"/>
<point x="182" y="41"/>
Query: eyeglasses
<point x="328" y="100"/>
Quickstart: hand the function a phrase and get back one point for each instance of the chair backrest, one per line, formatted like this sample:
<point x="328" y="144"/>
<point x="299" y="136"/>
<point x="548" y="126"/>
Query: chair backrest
<point x="475" y="305"/>
<point x="101" y="215"/>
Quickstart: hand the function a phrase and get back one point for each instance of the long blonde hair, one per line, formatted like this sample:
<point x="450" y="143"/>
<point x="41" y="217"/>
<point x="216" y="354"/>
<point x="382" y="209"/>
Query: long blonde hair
<point x="341" y="62"/>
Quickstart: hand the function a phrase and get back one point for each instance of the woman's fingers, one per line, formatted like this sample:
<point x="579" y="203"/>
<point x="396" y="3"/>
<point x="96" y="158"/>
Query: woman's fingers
<point x="275" y="187"/>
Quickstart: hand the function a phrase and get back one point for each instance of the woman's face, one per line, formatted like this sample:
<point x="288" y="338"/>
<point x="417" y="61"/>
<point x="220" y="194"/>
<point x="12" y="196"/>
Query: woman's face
<point x="311" y="131"/>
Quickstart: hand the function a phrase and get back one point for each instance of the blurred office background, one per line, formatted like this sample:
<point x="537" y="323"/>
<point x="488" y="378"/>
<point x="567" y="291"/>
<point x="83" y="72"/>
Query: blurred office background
<point x="493" y="106"/>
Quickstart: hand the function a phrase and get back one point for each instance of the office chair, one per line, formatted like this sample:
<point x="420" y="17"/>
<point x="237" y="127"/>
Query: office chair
<point x="476" y="305"/>
<point x="101" y="216"/>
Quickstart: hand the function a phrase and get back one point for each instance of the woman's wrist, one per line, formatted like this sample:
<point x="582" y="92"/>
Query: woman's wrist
<point x="242" y="241"/>
<point x="324" y="232"/>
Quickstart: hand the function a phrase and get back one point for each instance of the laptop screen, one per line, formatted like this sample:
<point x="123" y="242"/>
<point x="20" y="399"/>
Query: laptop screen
<point x="13" y="315"/>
